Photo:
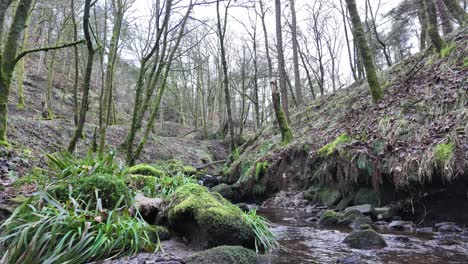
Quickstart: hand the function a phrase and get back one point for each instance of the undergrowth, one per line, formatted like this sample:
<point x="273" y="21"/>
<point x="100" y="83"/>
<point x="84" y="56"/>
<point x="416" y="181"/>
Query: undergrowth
<point x="264" y="238"/>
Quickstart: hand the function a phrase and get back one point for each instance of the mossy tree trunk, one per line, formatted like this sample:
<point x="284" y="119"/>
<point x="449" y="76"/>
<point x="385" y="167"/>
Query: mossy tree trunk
<point x="457" y="11"/>
<point x="8" y="59"/>
<point x="365" y="52"/>
<point x="433" y="30"/>
<point x="447" y="26"/>
<point x="221" y="36"/>
<point x="422" y="15"/>
<point x="281" y="61"/>
<point x="119" y="7"/>
<point x="286" y="134"/>
<point x="87" y="78"/>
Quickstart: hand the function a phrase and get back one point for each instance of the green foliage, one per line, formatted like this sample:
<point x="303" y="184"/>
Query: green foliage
<point x="447" y="50"/>
<point x="48" y="232"/>
<point x="444" y="153"/>
<point x="235" y="154"/>
<point x="145" y="169"/>
<point x="330" y="148"/>
<point x="142" y="183"/>
<point x="264" y="238"/>
<point x="110" y="187"/>
<point x="166" y="186"/>
<point x="260" y="169"/>
<point x="465" y="62"/>
<point x="65" y="164"/>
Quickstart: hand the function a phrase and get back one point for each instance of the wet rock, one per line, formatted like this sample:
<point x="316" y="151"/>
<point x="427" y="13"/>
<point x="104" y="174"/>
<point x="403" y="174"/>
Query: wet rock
<point x="351" y="260"/>
<point x="209" y="181"/>
<point x="403" y="239"/>
<point x="225" y="255"/>
<point x="329" y="218"/>
<point x="312" y="219"/>
<point x="425" y="231"/>
<point x="364" y="208"/>
<point x="207" y="219"/>
<point x="148" y="207"/>
<point x="365" y="239"/>
<point x="366" y="196"/>
<point x="327" y="196"/>
<point x="383" y="212"/>
<point x="402" y="226"/>
<point x="243" y="206"/>
<point x="227" y="191"/>
<point x="358" y="222"/>
<point x="448" y="227"/>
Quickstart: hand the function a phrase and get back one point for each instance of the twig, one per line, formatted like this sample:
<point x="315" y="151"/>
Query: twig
<point x="408" y="76"/>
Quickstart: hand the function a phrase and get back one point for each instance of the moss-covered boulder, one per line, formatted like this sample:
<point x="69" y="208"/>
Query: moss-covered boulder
<point x="145" y="169"/>
<point x="366" y="196"/>
<point x="110" y="189"/>
<point x="329" y="218"/>
<point x="365" y="239"/>
<point x="207" y="219"/>
<point x="327" y="196"/>
<point x="189" y="170"/>
<point x="225" y="255"/>
<point x="138" y="182"/>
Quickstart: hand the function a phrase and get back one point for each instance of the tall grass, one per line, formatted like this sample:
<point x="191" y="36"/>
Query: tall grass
<point x="71" y="233"/>
<point x="264" y="239"/>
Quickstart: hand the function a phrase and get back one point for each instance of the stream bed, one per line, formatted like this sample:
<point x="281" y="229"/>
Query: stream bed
<point x="304" y="242"/>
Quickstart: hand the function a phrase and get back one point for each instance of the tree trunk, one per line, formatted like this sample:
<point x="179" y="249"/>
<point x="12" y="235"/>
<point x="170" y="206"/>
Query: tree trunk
<point x="281" y="62"/>
<point x="447" y="26"/>
<point x="422" y="15"/>
<point x="221" y="35"/>
<point x="364" y="51"/>
<point x="8" y="60"/>
<point x="297" y="77"/>
<point x="110" y="68"/>
<point x="76" y="65"/>
<point x="348" y="45"/>
<point x="286" y="134"/>
<point x="433" y="30"/>
<point x="87" y="79"/>
<point x="457" y="11"/>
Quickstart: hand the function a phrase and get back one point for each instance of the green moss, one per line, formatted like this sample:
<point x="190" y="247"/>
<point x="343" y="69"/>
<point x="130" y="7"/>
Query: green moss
<point x="110" y="189"/>
<point x="366" y="196"/>
<point x="327" y="196"/>
<point x="142" y="183"/>
<point x="465" y="62"/>
<point x="329" y="218"/>
<point x="145" y="169"/>
<point x="189" y="170"/>
<point x="331" y="147"/>
<point x="447" y="50"/>
<point x="443" y="153"/>
<point x="218" y="221"/>
<point x="225" y="255"/>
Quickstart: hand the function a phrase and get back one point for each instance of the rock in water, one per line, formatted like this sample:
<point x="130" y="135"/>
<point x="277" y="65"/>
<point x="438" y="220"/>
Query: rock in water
<point x="207" y="219"/>
<point x="363" y="208"/>
<point x="227" y="191"/>
<point x="225" y="255"/>
<point x="329" y="218"/>
<point x="365" y="239"/>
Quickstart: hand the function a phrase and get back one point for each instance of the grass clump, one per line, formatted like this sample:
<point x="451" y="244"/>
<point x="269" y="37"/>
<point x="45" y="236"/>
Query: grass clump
<point x="145" y="169"/>
<point x="445" y="52"/>
<point x="264" y="238"/>
<point x="443" y="153"/>
<point x="44" y="231"/>
<point x="330" y="148"/>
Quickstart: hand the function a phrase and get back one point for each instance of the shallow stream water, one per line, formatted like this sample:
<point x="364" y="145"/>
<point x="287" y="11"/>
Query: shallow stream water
<point x="304" y="242"/>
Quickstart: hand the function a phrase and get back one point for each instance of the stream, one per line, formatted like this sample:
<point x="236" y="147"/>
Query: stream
<point x="304" y="242"/>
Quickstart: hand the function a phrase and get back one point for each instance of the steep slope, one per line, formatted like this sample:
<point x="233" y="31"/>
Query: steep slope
<point x="411" y="145"/>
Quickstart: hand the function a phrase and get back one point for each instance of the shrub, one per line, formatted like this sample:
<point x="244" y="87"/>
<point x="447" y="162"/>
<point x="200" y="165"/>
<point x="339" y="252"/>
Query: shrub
<point x="71" y="234"/>
<point x="264" y="238"/>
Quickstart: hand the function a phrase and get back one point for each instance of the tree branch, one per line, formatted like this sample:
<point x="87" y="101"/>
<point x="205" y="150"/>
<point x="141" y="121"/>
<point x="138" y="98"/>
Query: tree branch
<point x="24" y="53"/>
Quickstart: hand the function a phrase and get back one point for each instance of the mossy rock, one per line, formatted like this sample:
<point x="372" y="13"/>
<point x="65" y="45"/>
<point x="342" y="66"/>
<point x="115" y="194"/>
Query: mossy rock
<point x="227" y="191"/>
<point x="329" y="218"/>
<point x="138" y="182"/>
<point x="327" y="196"/>
<point x="225" y="255"/>
<point x="207" y="219"/>
<point x="189" y="170"/>
<point x="366" y="196"/>
<point x="365" y="239"/>
<point x="360" y="221"/>
<point x="145" y="169"/>
<point x="110" y="189"/>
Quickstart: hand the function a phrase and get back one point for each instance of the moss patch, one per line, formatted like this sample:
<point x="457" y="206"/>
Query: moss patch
<point x="329" y="218"/>
<point x="225" y="255"/>
<point x="447" y="50"/>
<point x="145" y="169"/>
<point x="331" y="147"/>
<point x="366" y="196"/>
<point x="207" y="217"/>
<point x="443" y="153"/>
